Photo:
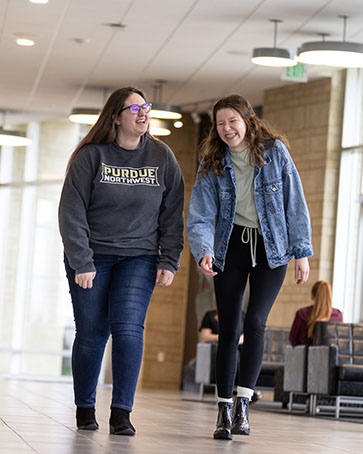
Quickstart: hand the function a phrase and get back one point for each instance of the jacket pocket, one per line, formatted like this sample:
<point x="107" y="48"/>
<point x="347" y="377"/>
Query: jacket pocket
<point x="225" y="200"/>
<point x="274" y="197"/>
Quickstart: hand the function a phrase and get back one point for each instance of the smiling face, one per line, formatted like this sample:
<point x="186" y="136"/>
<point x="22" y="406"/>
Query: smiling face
<point x="132" y="126"/>
<point x="231" y="129"/>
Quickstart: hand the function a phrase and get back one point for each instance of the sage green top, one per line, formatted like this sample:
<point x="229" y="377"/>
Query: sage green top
<point x="246" y="212"/>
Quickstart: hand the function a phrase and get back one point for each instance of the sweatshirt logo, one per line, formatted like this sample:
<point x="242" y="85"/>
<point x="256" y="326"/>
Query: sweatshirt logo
<point x="147" y="176"/>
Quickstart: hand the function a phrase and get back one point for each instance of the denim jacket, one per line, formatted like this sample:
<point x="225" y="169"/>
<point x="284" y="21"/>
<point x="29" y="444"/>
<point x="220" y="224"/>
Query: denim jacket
<point x="280" y="202"/>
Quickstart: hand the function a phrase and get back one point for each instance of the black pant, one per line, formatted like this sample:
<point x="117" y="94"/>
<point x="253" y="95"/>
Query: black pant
<point x="229" y="286"/>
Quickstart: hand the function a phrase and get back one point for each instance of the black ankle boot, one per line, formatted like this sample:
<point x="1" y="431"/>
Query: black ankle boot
<point x="224" y="421"/>
<point x="120" y="422"/>
<point x="240" y="424"/>
<point x="86" y="419"/>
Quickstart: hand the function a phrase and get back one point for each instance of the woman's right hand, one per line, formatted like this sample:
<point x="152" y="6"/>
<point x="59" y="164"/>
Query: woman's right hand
<point x="206" y="265"/>
<point x="85" y="280"/>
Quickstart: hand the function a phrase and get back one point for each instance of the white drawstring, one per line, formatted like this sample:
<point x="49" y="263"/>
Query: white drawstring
<point x="249" y="239"/>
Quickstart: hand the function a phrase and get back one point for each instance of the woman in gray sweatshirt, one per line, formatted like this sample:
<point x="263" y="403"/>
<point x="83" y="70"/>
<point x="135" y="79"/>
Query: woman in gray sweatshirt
<point x="121" y="222"/>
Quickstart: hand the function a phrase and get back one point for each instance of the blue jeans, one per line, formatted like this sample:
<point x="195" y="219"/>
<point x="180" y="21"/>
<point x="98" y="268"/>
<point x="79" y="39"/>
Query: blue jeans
<point x="116" y="304"/>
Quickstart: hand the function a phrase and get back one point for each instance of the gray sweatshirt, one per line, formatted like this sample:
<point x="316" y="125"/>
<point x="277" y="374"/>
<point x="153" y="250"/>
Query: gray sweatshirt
<point x="122" y="202"/>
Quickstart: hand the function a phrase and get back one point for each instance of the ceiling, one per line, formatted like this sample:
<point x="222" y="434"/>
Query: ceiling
<point x="202" y="48"/>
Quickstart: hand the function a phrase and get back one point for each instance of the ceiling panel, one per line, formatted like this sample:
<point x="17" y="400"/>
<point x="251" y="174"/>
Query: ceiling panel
<point x="202" y="48"/>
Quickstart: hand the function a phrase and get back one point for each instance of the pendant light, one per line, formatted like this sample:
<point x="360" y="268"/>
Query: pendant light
<point x="165" y="111"/>
<point x="159" y="127"/>
<point x="160" y="110"/>
<point x="273" y="56"/>
<point x="12" y="138"/>
<point x="84" y="116"/>
<point x="340" y="54"/>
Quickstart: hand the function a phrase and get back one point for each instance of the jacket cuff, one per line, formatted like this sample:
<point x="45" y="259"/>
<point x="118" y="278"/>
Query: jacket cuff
<point x="302" y="252"/>
<point x="202" y="253"/>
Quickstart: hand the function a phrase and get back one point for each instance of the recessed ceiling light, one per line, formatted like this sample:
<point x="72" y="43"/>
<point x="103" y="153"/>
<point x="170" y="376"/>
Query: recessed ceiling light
<point x="43" y="2"/>
<point x="81" y="41"/>
<point x="117" y="25"/>
<point x="24" y="42"/>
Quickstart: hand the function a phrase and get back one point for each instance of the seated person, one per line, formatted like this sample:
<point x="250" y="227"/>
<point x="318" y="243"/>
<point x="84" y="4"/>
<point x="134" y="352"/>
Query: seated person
<point x="302" y="329"/>
<point x="209" y="328"/>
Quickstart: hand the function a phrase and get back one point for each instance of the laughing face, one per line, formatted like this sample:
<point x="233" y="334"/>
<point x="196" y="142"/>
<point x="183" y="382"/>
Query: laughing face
<point x="133" y="125"/>
<point x="231" y="129"/>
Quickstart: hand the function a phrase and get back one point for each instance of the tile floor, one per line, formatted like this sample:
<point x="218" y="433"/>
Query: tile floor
<point x="38" y="417"/>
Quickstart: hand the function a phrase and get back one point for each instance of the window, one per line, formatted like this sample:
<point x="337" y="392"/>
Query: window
<point x="36" y="317"/>
<point x="348" y="261"/>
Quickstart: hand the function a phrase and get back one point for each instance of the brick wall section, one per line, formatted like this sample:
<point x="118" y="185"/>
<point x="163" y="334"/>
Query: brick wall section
<point x="165" y="323"/>
<point x="310" y="115"/>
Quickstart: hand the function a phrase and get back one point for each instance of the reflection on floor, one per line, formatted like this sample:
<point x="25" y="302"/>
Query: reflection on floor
<point x="38" y="417"/>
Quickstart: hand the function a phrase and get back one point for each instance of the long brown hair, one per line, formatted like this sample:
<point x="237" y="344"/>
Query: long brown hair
<point x="322" y="308"/>
<point x="213" y="149"/>
<point x="105" y="129"/>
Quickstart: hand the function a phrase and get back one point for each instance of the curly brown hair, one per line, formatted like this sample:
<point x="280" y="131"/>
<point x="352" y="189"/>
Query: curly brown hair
<point x="213" y="149"/>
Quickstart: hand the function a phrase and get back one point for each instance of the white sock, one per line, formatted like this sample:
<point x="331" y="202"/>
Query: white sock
<point x="223" y="399"/>
<point x="245" y="392"/>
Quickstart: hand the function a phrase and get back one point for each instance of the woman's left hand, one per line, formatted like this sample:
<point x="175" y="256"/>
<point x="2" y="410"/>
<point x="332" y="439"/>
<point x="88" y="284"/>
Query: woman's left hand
<point x="302" y="270"/>
<point x="164" y="278"/>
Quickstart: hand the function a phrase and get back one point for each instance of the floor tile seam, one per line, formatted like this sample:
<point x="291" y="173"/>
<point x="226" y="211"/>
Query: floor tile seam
<point x="58" y="422"/>
<point x="25" y="404"/>
<point x="18" y="435"/>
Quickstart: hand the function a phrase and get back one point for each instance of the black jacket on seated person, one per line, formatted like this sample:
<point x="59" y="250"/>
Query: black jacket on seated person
<point x="210" y="321"/>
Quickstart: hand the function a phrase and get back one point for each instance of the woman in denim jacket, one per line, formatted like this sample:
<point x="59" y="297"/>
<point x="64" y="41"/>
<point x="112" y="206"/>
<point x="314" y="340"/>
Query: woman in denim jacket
<point x="247" y="218"/>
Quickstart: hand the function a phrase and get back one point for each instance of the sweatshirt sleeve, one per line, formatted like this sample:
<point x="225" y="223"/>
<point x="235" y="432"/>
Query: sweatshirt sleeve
<point x="171" y="219"/>
<point x="72" y="215"/>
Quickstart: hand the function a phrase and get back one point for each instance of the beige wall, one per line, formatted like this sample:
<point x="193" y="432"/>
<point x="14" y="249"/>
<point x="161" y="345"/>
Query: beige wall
<point x="311" y="117"/>
<point x="166" y="319"/>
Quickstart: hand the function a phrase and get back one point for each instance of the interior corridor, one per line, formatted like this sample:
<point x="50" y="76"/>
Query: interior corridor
<point x="39" y="417"/>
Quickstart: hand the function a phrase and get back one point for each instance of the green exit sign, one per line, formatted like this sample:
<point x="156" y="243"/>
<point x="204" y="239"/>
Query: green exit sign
<point x="296" y="73"/>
